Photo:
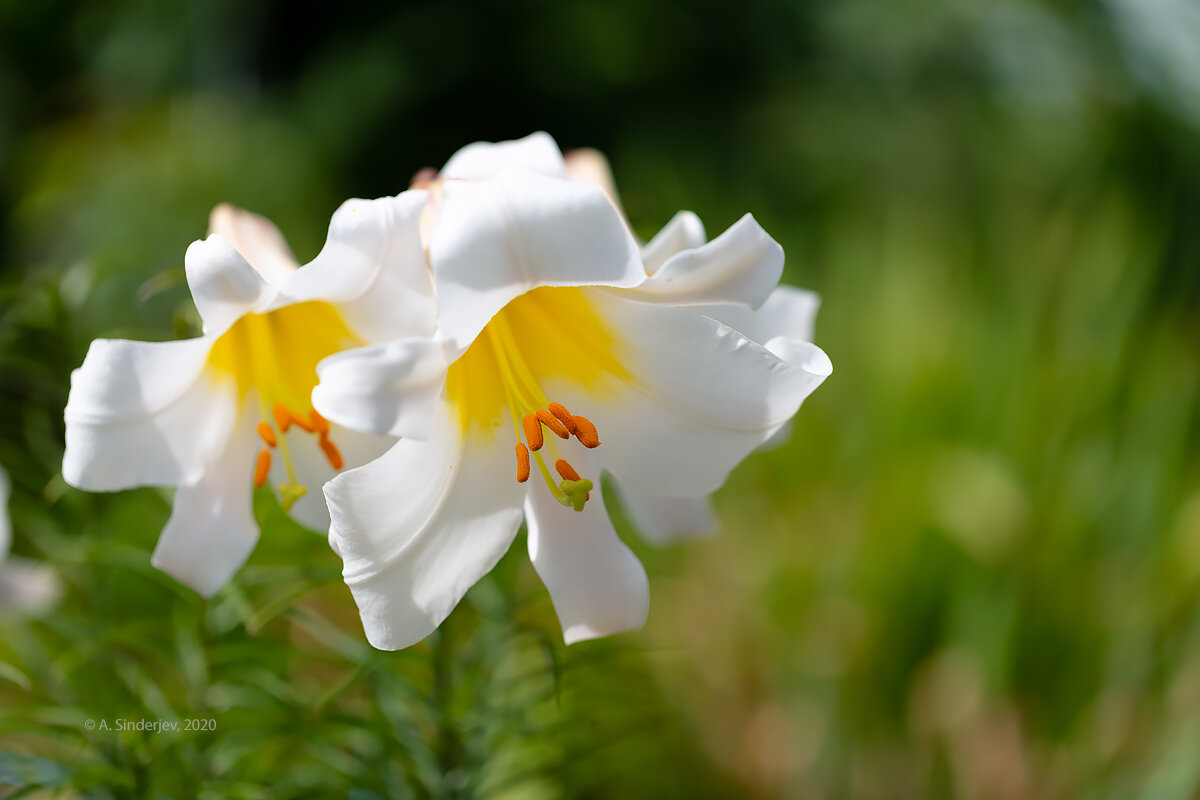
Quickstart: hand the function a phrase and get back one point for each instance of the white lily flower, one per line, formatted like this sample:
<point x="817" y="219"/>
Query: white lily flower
<point x="221" y="414"/>
<point x="783" y="323"/>
<point x="555" y="342"/>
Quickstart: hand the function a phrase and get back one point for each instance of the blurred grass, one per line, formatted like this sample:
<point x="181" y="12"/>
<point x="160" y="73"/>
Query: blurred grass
<point x="974" y="570"/>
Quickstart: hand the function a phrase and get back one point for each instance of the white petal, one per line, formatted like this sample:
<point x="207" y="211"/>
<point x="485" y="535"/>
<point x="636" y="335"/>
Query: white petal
<point x="212" y="530"/>
<point x="685" y="231"/>
<point x="257" y="239"/>
<point x="742" y="265"/>
<point x="784" y="325"/>
<point x="804" y="355"/>
<point x="697" y="399"/>
<point x="419" y="526"/>
<point x="499" y="238"/>
<point x="788" y="314"/>
<point x="144" y="414"/>
<point x="665" y="520"/>
<point x="313" y="469"/>
<point x="224" y="286"/>
<point x="597" y="584"/>
<point x="373" y="266"/>
<point x="389" y="388"/>
<point x="537" y="152"/>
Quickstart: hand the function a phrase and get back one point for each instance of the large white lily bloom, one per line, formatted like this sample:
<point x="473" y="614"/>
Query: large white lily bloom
<point x="218" y="415"/>
<point x="560" y="351"/>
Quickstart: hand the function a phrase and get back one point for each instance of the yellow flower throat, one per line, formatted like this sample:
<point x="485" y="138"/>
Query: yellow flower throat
<point x="276" y="354"/>
<point x="547" y="333"/>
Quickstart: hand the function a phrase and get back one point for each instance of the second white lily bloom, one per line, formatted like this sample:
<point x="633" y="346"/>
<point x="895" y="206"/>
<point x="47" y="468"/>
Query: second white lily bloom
<point x="227" y="411"/>
<point x="561" y="350"/>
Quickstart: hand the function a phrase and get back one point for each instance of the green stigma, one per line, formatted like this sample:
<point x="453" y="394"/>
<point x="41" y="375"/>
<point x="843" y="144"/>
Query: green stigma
<point x="576" y="492"/>
<point x="289" y="493"/>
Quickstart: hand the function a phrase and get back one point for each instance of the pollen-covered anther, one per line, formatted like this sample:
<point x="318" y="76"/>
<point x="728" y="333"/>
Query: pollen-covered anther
<point x="283" y="417"/>
<point x="319" y="423"/>
<point x="552" y="422"/>
<point x="566" y="470"/>
<point x="332" y="454"/>
<point x="522" y="463"/>
<point x="267" y="434"/>
<point x="563" y="416"/>
<point x="585" y="432"/>
<point x="533" y="431"/>
<point x="301" y="422"/>
<point x="262" y="468"/>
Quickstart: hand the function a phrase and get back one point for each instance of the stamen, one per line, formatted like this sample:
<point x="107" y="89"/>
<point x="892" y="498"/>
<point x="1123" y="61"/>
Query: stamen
<point x="268" y="435"/>
<point x="564" y="416"/>
<point x="283" y="417"/>
<point x="551" y="422"/>
<point x="533" y="431"/>
<point x="331" y="453"/>
<point x="262" y="468"/>
<point x="522" y="463"/>
<point x="566" y="470"/>
<point x="301" y="422"/>
<point x="585" y="432"/>
<point x="318" y="422"/>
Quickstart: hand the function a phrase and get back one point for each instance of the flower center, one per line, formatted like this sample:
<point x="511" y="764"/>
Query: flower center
<point x="276" y="354"/>
<point x="544" y="336"/>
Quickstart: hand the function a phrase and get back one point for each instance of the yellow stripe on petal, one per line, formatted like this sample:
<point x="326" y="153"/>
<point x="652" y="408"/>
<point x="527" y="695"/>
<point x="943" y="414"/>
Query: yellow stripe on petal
<point x="277" y="352"/>
<point x="547" y="333"/>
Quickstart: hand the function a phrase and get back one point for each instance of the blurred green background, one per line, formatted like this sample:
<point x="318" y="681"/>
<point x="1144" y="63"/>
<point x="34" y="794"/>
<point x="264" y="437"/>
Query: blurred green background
<point x="974" y="572"/>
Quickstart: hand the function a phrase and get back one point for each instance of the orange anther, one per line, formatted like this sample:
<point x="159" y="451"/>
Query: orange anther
<point x="564" y="416"/>
<point x="301" y="422"/>
<point x="283" y="417"/>
<point x="551" y="422"/>
<point x="566" y="470"/>
<point x="522" y="463"/>
<point x="318" y="422"/>
<point x="533" y="431"/>
<point x="268" y="435"/>
<point x="262" y="468"/>
<point x="331" y="453"/>
<point x="585" y="432"/>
